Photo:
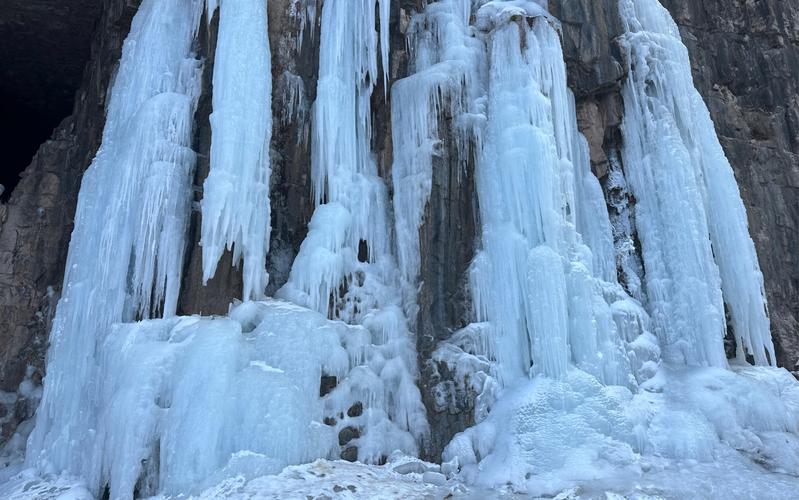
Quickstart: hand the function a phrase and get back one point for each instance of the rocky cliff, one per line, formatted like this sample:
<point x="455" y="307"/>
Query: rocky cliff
<point x="745" y="57"/>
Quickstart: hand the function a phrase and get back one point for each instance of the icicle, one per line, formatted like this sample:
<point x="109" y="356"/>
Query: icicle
<point x="449" y="65"/>
<point x="126" y="253"/>
<point x="345" y="268"/>
<point x="690" y="216"/>
<point x="535" y="189"/>
<point x="235" y="206"/>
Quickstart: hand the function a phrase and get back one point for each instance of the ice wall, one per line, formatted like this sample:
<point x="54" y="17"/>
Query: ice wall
<point x="235" y="205"/>
<point x="189" y="402"/>
<point x="125" y="256"/>
<point x="582" y="396"/>
<point x="690" y="217"/>
<point x="568" y="381"/>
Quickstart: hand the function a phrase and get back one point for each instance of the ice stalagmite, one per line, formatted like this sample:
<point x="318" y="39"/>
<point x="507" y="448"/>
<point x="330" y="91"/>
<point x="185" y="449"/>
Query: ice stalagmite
<point x="345" y="268"/>
<point x="692" y="223"/>
<point x="235" y="205"/>
<point x="126" y="253"/>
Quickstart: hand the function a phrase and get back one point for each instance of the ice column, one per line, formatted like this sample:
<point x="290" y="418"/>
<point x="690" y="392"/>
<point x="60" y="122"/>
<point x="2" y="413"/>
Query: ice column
<point x="438" y="103"/>
<point x="345" y="268"/>
<point x="235" y="205"/>
<point x="535" y="279"/>
<point x="126" y="252"/>
<point x="691" y="220"/>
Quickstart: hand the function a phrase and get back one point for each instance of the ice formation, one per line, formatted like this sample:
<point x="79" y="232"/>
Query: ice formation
<point x="235" y="205"/>
<point x="564" y="369"/>
<point x="219" y="397"/>
<point x="346" y="268"/>
<point x="562" y="357"/>
<point x="126" y="253"/>
<point x="444" y="85"/>
<point x="691" y="220"/>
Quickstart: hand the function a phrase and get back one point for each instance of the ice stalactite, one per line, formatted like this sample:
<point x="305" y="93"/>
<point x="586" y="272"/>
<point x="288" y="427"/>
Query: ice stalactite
<point x="535" y="191"/>
<point x="235" y="205"/>
<point x="583" y="395"/>
<point x="437" y="103"/>
<point x="125" y="256"/>
<point x="345" y="268"/>
<point x="691" y="220"/>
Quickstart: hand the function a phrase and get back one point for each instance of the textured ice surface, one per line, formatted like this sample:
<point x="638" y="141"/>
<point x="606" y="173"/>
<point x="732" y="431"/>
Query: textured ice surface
<point x="235" y="205"/>
<point x="125" y="256"/>
<point x="346" y="268"/>
<point x="186" y="402"/>
<point x="690" y="217"/>
<point x="549" y="435"/>
<point x="581" y="399"/>
<point x="536" y="279"/>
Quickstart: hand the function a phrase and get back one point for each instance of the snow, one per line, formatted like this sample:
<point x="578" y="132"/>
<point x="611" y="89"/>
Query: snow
<point x="690" y="217"/>
<point x="550" y="435"/>
<point x="126" y="253"/>
<point x="235" y="205"/>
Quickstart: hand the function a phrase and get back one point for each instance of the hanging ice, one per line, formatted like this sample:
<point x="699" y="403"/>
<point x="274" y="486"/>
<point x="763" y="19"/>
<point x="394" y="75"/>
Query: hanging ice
<point x="535" y="190"/>
<point x="235" y="206"/>
<point x="126" y="253"/>
<point x="538" y="288"/>
<point x="568" y="383"/>
<point x="345" y="268"/>
<point x="548" y="297"/>
<point x="444" y="86"/>
<point x="691" y="220"/>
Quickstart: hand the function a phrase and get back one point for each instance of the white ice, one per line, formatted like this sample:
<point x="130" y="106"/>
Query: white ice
<point x="346" y="269"/>
<point x="235" y="205"/>
<point x="565" y="367"/>
<point x="690" y="217"/>
<point x="126" y="253"/>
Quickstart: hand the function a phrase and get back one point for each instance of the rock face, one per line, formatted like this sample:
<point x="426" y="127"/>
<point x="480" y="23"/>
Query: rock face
<point x="745" y="57"/>
<point x="745" y="61"/>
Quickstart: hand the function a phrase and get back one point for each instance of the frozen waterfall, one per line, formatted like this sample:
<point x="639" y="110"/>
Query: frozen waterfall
<point x="692" y="223"/>
<point x="575" y="376"/>
<point x="126" y="253"/>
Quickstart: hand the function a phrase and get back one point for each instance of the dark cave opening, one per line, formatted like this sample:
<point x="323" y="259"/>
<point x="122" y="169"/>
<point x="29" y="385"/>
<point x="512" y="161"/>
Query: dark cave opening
<point x="23" y="128"/>
<point x="44" y="47"/>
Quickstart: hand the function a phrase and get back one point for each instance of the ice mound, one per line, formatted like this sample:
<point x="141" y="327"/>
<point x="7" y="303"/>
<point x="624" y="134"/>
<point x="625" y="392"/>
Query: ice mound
<point x="185" y="401"/>
<point x="549" y="435"/>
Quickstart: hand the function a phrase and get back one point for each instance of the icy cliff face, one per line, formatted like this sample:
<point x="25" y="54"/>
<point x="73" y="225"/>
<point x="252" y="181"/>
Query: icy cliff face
<point x="572" y="375"/>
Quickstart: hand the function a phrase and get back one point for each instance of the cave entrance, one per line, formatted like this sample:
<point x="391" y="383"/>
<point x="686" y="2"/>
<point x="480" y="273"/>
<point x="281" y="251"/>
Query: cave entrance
<point x="44" y="47"/>
<point x="24" y="126"/>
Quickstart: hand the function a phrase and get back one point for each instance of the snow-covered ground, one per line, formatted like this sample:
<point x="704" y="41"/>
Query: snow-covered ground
<point x="732" y="476"/>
